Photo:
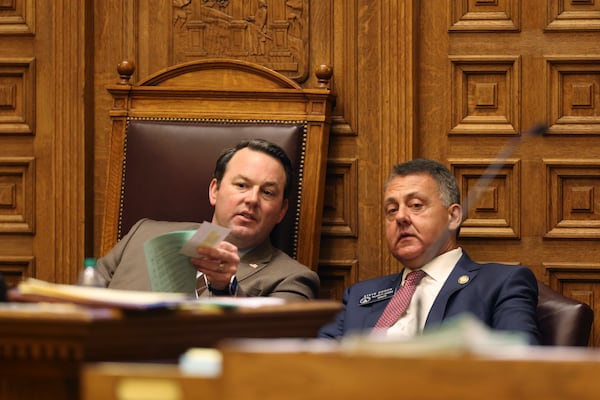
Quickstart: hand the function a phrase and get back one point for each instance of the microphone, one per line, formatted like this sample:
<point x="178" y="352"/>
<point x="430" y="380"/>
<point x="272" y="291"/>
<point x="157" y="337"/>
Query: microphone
<point x="418" y="315"/>
<point x="499" y="160"/>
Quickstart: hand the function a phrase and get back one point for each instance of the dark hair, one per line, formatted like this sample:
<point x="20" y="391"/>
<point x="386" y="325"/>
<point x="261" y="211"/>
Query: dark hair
<point x="447" y="185"/>
<point x="262" y="146"/>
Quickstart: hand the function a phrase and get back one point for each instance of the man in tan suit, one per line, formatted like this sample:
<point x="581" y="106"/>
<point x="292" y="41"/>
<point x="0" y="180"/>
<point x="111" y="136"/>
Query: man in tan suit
<point x="249" y="193"/>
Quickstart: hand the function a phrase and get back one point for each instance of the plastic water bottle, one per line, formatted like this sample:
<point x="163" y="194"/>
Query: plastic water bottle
<point x="90" y="275"/>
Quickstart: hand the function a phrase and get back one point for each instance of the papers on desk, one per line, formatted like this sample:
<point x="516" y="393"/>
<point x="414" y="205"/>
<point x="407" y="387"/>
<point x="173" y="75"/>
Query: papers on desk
<point x="35" y="290"/>
<point x="239" y="302"/>
<point x="464" y="334"/>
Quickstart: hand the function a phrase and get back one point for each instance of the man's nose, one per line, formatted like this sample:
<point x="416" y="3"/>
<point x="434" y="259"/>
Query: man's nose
<point x="402" y="215"/>
<point x="252" y="195"/>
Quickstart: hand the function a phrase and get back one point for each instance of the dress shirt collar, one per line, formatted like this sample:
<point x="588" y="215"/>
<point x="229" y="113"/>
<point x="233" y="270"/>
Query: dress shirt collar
<point x="437" y="269"/>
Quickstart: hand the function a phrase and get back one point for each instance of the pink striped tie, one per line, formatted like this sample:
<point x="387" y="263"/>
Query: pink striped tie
<point x="399" y="303"/>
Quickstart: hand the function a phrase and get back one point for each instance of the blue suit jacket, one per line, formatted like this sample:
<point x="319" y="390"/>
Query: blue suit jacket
<point x="502" y="296"/>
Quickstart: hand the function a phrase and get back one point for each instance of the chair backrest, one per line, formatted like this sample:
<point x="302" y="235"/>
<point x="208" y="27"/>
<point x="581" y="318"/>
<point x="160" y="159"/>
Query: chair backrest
<point x="168" y="130"/>
<point x="563" y="321"/>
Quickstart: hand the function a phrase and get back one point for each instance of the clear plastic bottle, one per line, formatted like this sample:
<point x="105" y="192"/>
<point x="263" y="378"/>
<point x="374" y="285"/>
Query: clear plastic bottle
<point x="90" y="275"/>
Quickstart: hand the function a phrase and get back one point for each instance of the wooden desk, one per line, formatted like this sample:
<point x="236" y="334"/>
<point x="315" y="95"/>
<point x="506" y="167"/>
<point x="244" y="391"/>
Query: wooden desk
<point x="572" y="375"/>
<point x="43" y="346"/>
<point x="332" y="375"/>
<point x="120" y="381"/>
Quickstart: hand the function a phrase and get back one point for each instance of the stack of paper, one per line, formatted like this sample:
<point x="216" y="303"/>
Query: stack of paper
<point x="37" y="290"/>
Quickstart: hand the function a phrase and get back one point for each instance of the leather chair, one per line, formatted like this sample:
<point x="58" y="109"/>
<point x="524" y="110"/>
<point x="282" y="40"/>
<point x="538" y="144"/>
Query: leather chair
<point x="169" y="165"/>
<point x="563" y="321"/>
<point x="168" y="130"/>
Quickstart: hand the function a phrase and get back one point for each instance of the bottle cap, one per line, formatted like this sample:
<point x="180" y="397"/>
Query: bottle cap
<point x="89" y="262"/>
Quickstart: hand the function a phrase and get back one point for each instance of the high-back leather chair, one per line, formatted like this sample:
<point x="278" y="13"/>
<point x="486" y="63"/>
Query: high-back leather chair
<point x="563" y="321"/>
<point x="168" y="130"/>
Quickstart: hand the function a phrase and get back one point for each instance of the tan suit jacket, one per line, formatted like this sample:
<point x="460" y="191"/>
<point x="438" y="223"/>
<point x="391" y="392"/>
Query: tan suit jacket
<point x="263" y="271"/>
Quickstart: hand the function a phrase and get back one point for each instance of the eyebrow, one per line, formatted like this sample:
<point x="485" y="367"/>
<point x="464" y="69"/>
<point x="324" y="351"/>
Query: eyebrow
<point x="245" y="178"/>
<point x="389" y="200"/>
<point x="409" y="196"/>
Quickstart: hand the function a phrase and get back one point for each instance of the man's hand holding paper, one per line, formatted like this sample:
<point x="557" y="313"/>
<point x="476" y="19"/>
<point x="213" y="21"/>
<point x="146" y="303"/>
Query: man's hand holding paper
<point x="207" y="235"/>
<point x="211" y="255"/>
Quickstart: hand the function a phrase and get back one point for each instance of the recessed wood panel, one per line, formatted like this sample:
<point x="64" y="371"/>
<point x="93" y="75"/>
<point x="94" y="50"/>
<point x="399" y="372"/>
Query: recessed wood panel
<point x="573" y="95"/>
<point x="575" y="280"/>
<point x="336" y="276"/>
<point x="17" y="88"/>
<point x="573" y="15"/>
<point x="485" y="95"/>
<point x="17" y="178"/>
<point x="485" y="15"/>
<point x="490" y="196"/>
<point x="340" y="213"/>
<point x="573" y="198"/>
<point x="17" y="17"/>
<point x="16" y="268"/>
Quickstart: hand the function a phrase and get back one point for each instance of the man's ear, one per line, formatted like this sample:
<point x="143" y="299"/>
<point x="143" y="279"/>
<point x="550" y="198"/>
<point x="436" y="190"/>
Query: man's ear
<point x="284" y="207"/>
<point x="455" y="216"/>
<point x="212" y="191"/>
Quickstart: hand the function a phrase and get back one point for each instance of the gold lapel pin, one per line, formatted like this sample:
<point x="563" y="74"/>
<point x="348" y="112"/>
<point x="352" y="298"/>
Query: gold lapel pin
<point x="463" y="279"/>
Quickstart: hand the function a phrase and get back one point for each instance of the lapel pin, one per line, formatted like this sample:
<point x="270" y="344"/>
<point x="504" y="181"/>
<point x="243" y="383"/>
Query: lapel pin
<point x="463" y="279"/>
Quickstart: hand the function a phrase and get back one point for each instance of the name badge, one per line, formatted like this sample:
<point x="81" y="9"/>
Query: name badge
<point x="376" y="296"/>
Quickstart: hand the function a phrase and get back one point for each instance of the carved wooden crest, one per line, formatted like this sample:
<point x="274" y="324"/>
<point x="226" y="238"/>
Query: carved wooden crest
<point x="273" y="33"/>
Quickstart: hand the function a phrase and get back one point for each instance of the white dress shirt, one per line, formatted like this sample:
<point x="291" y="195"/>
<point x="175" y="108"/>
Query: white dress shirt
<point x="437" y="270"/>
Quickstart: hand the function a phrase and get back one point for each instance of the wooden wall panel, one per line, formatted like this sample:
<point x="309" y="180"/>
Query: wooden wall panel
<point x="485" y="16"/>
<point x="340" y="212"/>
<point x="17" y="195"/>
<point x="16" y="268"/>
<point x="17" y="17"/>
<point x="485" y="95"/>
<point x="491" y="197"/>
<point x="17" y="88"/>
<point x="456" y="81"/>
<point x="336" y="275"/>
<point x="573" y="94"/>
<point x="573" y="190"/>
<point x="562" y="15"/>
<point x="42" y="139"/>
<point x="513" y="65"/>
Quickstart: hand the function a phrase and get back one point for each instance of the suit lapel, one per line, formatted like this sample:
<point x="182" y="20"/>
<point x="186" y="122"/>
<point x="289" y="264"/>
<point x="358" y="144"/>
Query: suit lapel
<point x="376" y="308"/>
<point x="255" y="260"/>
<point x="460" y="277"/>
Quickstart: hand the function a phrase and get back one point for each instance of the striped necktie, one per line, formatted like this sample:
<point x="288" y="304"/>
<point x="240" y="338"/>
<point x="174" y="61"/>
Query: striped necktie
<point x="399" y="303"/>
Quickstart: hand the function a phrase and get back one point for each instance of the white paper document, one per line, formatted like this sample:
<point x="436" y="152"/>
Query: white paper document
<point x="207" y="235"/>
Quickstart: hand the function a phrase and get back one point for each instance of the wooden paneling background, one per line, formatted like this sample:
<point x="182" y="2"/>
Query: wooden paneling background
<point x="45" y="126"/>
<point x="451" y="80"/>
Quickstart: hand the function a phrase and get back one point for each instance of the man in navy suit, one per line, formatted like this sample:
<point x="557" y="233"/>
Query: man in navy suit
<point x="422" y="220"/>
